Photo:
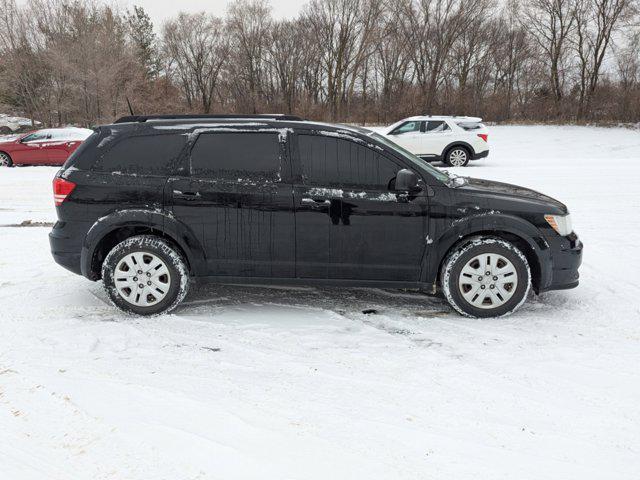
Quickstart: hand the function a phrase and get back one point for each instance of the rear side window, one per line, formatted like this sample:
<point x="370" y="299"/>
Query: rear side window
<point x="149" y="155"/>
<point x="434" y="126"/>
<point x="236" y="156"/>
<point x="337" y="162"/>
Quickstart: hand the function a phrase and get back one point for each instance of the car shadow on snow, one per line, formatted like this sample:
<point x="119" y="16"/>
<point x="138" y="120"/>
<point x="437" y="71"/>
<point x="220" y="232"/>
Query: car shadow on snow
<point x="365" y="300"/>
<point x="394" y="312"/>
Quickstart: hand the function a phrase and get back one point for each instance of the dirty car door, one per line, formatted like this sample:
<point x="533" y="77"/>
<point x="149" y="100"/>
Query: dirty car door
<point x="350" y="224"/>
<point x="235" y="200"/>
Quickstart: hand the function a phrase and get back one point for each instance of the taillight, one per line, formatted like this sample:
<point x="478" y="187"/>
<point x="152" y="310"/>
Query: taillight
<point x="61" y="188"/>
<point x="483" y="136"/>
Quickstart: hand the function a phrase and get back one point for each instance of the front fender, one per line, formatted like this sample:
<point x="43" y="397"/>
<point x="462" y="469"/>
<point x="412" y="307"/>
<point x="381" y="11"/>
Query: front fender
<point x="155" y="219"/>
<point x="488" y="223"/>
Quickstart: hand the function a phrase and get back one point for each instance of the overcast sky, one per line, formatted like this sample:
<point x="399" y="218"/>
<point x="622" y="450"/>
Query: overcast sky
<point x="160" y="10"/>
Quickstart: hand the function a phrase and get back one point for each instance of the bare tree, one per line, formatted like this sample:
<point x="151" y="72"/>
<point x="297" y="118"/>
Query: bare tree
<point x="391" y="61"/>
<point x="285" y="57"/>
<point x="550" y="23"/>
<point x="345" y="30"/>
<point x="197" y="49"/>
<point x="433" y="27"/>
<point x="596" y="21"/>
<point x="510" y="52"/>
<point x="249" y="24"/>
<point x="79" y="61"/>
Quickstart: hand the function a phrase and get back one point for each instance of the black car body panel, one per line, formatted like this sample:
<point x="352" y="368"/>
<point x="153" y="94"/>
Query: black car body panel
<point x="282" y="226"/>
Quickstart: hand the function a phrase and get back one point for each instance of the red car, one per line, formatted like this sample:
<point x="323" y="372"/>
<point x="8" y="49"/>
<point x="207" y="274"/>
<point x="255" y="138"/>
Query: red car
<point x="50" y="146"/>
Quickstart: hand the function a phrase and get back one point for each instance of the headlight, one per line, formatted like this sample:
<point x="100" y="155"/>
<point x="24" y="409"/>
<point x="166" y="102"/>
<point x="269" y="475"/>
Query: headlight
<point x="560" y="223"/>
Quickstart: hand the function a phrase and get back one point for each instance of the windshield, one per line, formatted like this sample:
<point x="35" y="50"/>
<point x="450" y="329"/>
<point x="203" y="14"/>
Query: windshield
<point x="441" y="175"/>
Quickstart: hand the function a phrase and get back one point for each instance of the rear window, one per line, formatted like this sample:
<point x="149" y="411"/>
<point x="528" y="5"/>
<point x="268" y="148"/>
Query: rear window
<point x="149" y="155"/>
<point x="470" y="125"/>
<point x="236" y="156"/>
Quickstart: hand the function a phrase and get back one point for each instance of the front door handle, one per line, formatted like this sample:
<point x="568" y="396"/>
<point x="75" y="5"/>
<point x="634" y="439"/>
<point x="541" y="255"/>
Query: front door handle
<point x="186" y="195"/>
<point x="316" y="203"/>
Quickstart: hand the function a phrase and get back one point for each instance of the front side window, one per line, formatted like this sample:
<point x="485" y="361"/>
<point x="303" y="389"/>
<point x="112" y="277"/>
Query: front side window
<point x="36" y="136"/>
<point x="236" y="156"/>
<point x="149" y="154"/>
<point x="410" y="157"/>
<point x="407" y="127"/>
<point x="337" y="162"/>
<point x="437" y="126"/>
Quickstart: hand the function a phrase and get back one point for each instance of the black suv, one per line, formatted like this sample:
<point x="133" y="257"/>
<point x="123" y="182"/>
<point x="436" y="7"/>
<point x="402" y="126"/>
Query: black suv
<point x="150" y="203"/>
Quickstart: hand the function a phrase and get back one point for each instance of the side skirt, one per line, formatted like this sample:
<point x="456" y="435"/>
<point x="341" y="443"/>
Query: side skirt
<point x="316" y="282"/>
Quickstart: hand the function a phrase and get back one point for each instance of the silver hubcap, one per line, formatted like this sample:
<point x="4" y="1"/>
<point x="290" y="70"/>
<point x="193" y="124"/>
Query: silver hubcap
<point x="4" y="160"/>
<point x="458" y="157"/>
<point x="488" y="281"/>
<point x="142" y="279"/>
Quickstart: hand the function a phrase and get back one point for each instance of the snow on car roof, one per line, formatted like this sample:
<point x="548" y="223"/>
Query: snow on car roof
<point x="418" y="118"/>
<point x="66" y="133"/>
<point x="457" y="118"/>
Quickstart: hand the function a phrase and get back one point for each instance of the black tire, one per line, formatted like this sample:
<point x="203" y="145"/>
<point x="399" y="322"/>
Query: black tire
<point x="452" y="279"/>
<point x="176" y="280"/>
<point x="457" y="156"/>
<point x="5" y="160"/>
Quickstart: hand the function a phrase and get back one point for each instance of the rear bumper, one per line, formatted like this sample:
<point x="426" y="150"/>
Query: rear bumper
<point x="566" y="256"/>
<point x="478" y="156"/>
<point x="65" y="241"/>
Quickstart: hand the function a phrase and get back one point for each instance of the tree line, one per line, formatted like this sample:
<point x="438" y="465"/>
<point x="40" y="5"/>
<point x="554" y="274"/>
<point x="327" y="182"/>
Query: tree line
<point x="85" y="62"/>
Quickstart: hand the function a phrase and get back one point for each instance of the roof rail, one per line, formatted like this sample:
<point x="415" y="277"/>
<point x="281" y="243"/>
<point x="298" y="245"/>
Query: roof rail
<point x="145" y="118"/>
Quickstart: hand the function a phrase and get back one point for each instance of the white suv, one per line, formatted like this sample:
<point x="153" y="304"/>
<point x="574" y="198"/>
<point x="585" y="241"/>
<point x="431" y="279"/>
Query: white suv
<point x="453" y="140"/>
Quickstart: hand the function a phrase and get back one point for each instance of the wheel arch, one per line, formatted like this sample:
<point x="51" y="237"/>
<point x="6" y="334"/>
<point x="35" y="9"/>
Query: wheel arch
<point x="516" y="231"/>
<point x="458" y="143"/>
<point x="118" y="226"/>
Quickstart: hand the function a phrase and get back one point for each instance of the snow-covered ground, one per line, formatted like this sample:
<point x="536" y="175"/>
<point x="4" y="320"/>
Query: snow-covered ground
<point x="272" y="383"/>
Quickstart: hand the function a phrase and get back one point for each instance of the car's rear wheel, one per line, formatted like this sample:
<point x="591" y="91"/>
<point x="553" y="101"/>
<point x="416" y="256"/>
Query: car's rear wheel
<point x="486" y="277"/>
<point x="457" y="157"/>
<point x="5" y="160"/>
<point x="145" y="275"/>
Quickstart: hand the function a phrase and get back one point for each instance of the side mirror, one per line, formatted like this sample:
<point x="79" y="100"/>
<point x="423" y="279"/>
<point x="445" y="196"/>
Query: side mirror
<point x="407" y="181"/>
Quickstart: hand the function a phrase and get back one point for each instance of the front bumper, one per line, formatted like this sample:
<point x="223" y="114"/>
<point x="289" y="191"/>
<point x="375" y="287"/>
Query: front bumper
<point x="566" y="257"/>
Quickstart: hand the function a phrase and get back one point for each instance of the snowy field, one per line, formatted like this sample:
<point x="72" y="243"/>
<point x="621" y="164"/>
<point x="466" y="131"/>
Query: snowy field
<point x="271" y="383"/>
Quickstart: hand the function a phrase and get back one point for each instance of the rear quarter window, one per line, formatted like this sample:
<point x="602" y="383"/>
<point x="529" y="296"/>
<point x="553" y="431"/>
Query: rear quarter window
<point x="147" y="154"/>
<point x="83" y="156"/>
<point x="469" y="126"/>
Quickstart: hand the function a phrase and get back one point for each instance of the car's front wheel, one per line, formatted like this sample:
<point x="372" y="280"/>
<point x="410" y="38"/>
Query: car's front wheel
<point x="5" y="160"/>
<point x="457" y="157"/>
<point x="486" y="277"/>
<point x="145" y="275"/>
